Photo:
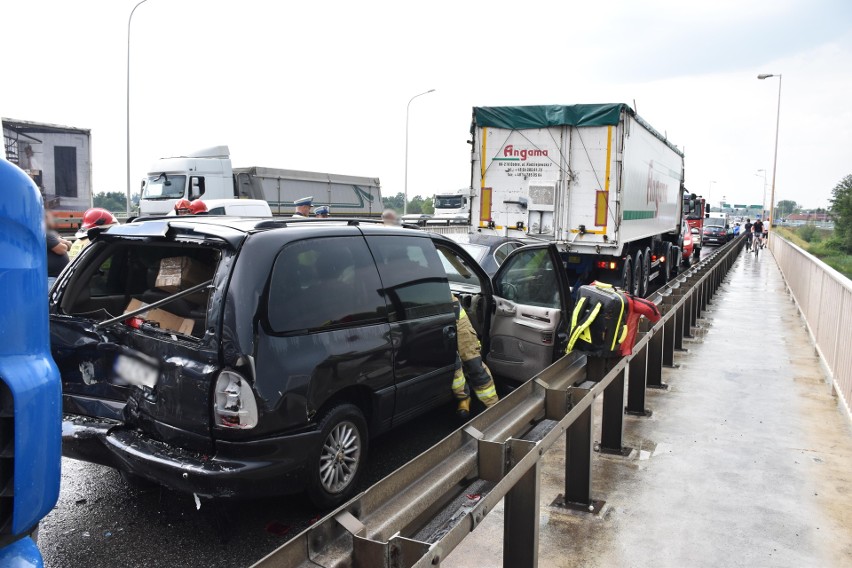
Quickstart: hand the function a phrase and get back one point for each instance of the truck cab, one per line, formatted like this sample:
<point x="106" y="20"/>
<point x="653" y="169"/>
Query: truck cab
<point x="204" y="174"/>
<point x="695" y="209"/>
<point x="453" y="207"/>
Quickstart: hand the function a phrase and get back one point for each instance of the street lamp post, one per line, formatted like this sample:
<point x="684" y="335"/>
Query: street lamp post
<point x="129" y="20"/>
<point x="775" y="159"/>
<point x="407" y="108"/>
<point x="763" y="211"/>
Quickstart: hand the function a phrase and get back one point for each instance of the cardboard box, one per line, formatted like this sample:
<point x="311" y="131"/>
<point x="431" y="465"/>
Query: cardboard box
<point x="167" y="320"/>
<point x="181" y="272"/>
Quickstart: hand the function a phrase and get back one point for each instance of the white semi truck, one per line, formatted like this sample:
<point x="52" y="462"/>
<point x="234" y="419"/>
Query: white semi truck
<point x="595" y="179"/>
<point x="452" y="207"/>
<point x="208" y="174"/>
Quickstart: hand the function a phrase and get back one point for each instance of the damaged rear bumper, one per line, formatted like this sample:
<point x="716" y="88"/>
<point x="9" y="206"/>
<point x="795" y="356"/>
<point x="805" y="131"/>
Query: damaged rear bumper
<point x="258" y="468"/>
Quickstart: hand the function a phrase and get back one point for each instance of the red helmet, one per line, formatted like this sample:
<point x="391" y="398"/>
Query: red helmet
<point x="183" y="207"/>
<point x="197" y="207"/>
<point x="97" y="217"/>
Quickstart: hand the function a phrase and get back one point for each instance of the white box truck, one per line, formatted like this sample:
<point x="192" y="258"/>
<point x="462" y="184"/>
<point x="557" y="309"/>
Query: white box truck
<point x="594" y="178"/>
<point x="208" y="174"/>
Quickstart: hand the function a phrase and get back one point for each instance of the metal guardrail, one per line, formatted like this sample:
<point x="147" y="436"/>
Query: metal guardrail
<point x="824" y="298"/>
<point x="417" y="515"/>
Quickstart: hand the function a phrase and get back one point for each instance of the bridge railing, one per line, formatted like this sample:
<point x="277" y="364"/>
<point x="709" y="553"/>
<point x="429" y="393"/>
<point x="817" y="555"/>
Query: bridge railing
<point x="824" y="298"/>
<point x="417" y="515"/>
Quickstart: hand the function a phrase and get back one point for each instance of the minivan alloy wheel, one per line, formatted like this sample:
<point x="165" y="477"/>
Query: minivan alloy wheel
<point x="340" y="457"/>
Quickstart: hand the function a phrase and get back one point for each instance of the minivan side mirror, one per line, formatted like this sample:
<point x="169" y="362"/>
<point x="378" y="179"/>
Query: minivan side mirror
<point x="196" y="187"/>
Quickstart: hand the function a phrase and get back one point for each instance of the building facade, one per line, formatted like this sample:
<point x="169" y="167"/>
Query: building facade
<point x="58" y="158"/>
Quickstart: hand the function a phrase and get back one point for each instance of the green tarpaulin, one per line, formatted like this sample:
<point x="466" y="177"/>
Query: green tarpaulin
<point x="544" y="116"/>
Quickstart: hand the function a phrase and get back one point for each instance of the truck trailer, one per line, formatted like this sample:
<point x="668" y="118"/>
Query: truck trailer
<point x="594" y="178"/>
<point x="208" y="174"/>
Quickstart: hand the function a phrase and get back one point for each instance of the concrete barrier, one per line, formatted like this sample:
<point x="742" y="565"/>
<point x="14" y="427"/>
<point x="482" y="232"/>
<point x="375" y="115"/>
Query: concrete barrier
<point x="824" y="298"/>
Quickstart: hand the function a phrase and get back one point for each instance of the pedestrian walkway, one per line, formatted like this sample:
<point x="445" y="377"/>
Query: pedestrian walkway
<point x="746" y="461"/>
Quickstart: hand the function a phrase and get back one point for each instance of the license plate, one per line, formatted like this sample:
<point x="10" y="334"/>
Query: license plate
<point x="573" y="259"/>
<point x="135" y="372"/>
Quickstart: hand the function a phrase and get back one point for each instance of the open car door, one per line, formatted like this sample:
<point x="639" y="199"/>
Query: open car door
<point x="532" y="303"/>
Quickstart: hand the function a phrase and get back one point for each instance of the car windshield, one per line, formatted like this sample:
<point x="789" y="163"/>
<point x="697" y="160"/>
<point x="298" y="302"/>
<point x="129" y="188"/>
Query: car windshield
<point x="164" y="187"/>
<point x="448" y="201"/>
<point x="478" y="252"/>
<point x="714" y="222"/>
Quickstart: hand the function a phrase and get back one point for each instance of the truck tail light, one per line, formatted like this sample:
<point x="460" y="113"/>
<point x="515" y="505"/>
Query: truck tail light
<point x="234" y="405"/>
<point x="607" y="264"/>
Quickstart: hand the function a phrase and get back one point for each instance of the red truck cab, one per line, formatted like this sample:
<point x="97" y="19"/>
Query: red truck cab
<point x="695" y="210"/>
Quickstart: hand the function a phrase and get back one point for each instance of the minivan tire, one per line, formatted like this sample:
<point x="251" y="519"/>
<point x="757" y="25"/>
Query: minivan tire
<point x="342" y="423"/>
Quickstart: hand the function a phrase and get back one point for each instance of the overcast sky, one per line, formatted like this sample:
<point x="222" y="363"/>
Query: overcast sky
<point x="324" y="85"/>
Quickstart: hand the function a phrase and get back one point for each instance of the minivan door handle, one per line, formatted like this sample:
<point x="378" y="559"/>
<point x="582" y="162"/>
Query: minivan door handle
<point x="450" y="337"/>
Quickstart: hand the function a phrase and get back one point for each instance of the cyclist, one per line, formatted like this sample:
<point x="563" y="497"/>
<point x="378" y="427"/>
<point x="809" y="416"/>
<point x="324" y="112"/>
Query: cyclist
<point x="747" y="230"/>
<point x="757" y="229"/>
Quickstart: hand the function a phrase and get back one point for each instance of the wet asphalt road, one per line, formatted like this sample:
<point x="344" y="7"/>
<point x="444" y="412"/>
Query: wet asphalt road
<point x="100" y="521"/>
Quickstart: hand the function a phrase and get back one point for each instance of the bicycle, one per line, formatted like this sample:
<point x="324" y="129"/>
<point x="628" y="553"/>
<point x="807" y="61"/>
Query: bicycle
<point x="758" y="243"/>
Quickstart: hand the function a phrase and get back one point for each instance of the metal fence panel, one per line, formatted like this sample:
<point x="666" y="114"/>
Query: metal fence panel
<point x="824" y="297"/>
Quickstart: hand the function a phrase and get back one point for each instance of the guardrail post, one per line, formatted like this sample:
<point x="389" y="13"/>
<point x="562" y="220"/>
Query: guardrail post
<point x="578" y="460"/>
<point x="578" y="464"/>
<point x="637" y="383"/>
<point x="612" y="421"/>
<point x="669" y="333"/>
<point x="655" y="361"/>
<point x="520" y="525"/>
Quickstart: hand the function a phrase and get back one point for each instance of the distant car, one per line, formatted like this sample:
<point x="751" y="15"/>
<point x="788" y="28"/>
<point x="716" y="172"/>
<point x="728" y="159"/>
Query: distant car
<point x="716" y="234"/>
<point x="688" y="248"/>
<point x="239" y="207"/>
<point x="488" y="250"/>
<point x="250" y="208"/>
<point x="416" y="218"/>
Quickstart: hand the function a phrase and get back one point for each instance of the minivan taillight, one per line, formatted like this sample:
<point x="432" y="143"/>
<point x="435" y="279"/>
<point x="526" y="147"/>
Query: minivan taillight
<point x="234" y="405"/>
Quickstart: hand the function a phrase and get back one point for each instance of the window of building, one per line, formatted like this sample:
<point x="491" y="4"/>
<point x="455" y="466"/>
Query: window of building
<point x="65" y="170"/>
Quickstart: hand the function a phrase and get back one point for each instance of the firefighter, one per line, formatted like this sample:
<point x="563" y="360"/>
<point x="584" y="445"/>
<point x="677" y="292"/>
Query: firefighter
<point x="470" y="367"/>
<point x="94" y="217"/>
<point x="197" y="207"/>
<point x="182" y="207"/>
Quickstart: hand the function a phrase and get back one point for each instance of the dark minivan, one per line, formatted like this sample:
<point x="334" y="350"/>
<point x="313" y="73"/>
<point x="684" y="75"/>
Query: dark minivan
<point x="269" y="352"/>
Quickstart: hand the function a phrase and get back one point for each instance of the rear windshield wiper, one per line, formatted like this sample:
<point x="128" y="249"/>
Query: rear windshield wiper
<point x="157" y="304"/>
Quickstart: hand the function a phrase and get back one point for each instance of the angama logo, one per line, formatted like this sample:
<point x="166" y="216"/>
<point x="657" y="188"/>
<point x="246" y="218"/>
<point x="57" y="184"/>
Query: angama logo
<point x="510" y="152"/>
<point x="656" y="189"/>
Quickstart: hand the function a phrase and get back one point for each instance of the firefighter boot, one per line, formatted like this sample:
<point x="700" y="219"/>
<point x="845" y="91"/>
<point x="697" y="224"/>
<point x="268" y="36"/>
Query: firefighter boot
<point x="463" y="409"/>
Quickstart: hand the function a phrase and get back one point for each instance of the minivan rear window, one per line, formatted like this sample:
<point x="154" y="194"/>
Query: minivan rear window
<point x="116" y="277"/>
<point x="324" y="283"/>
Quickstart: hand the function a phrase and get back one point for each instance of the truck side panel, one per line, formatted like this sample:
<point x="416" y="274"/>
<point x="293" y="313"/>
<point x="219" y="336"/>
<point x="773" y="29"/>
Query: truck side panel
<point x="346" y="196"/>
<point x="650" y="185"/>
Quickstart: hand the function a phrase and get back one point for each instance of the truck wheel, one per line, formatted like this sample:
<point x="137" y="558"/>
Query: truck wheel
<point x="696" y="252"/>
<point x="337" y="463"/>
<point x="627" y="275"/>
<point x="667" y="265"/>
<point x="639" y="274"/>
<point x="646" y="279"/>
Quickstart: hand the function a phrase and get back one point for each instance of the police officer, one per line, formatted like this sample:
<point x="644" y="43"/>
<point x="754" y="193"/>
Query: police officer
<point x="322" y="211"/>
<point x="470" y="367"/>
<point x="303" y="207"/>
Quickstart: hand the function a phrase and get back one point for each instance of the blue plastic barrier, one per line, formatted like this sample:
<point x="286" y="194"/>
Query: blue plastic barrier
<point x="30" y="389"/>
